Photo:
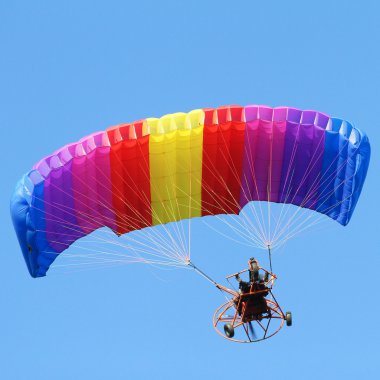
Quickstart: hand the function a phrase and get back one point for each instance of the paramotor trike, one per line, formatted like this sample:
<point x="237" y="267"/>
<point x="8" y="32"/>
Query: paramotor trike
<point x="251" y="315"/>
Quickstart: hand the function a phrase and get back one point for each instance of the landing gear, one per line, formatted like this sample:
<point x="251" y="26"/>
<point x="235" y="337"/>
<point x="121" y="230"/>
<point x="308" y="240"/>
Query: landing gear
<point x="288" y="318"/>
<point x="229" y="330"/>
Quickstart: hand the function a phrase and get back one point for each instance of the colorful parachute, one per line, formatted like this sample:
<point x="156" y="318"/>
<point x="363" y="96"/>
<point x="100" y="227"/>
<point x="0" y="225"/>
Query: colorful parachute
<point x="205" y="162"/>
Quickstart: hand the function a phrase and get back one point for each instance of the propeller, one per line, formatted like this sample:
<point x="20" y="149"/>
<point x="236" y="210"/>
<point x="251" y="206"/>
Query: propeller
<point x="252" y="330"/>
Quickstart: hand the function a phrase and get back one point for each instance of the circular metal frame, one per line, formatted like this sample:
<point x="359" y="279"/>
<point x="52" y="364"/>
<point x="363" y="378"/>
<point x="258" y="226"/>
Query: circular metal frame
<point x="267" y="325"/>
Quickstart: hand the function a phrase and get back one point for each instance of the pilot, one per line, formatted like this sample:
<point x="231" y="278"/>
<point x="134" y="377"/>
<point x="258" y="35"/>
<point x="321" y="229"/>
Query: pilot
<point x="245" y="286"/>
<point x="253" y="292"/>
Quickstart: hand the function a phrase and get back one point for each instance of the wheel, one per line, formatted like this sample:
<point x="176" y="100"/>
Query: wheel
<point x="229" y="330"/>
<point x="288" y="318"/>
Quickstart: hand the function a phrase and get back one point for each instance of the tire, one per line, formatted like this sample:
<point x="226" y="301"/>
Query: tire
<point x="288" y="318"/>
<point x="229" y="330"/>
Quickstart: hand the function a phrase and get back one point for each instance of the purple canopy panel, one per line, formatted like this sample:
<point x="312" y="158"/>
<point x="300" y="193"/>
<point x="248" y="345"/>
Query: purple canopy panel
<point x="83" y="192"/>
<point x="60" y="225"/>
<point x="98" y="180"/>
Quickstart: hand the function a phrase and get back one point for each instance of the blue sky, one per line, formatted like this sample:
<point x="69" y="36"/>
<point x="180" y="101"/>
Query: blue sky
<point x="67" y="70"/>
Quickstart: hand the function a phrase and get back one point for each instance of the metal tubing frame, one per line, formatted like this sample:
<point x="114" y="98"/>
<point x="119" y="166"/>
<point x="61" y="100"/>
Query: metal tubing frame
<point x="237" y="320"/>
<point x="219" y="318"/>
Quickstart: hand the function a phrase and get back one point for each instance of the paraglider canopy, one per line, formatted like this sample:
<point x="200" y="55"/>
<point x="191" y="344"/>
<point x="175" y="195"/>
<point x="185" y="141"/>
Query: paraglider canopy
<point x="151" y="172"/>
